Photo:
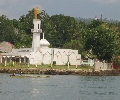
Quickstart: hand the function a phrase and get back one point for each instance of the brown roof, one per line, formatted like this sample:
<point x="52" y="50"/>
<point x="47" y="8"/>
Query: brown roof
<point x="6" y="46"/>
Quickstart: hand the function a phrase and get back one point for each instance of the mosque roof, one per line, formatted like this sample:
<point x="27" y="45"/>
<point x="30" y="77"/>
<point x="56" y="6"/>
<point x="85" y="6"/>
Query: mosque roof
<point x="44" y="42"/>
<point x="6" y="46"/>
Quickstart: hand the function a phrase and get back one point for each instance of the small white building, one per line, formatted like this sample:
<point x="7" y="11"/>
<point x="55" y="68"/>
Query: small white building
<point x="40" y="53"/>
<point x="102" y="65"/>
<point x="87" y="61"/>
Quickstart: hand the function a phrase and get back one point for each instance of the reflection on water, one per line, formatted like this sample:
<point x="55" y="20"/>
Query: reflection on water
<point x="60" y="88"/>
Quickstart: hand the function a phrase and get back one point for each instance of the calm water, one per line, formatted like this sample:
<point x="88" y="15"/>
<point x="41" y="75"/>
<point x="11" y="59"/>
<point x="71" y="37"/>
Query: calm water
<point x="60" y="88"/>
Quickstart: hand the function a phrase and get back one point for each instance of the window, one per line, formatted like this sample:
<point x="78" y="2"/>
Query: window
<point x="38" y="26"/>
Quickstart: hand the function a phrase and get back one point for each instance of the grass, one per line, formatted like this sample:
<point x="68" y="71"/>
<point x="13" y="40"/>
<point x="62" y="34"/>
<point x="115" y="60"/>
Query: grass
<point x="42" y="67"/>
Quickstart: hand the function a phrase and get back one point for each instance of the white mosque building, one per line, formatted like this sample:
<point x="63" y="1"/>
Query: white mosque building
<point x="40" y="53"/>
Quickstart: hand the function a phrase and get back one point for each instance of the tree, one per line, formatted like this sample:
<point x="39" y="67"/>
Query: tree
<point x="61" y="30"/>
<point x="101" y="40"/>
<point x="7" y="32"/>
<point x="74" y="44"/>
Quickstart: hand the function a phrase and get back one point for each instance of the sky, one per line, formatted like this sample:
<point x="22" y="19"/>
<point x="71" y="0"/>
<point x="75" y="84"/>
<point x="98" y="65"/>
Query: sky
<point x="109" y="9"/>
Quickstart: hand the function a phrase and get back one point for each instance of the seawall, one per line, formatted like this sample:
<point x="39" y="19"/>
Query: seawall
<point x="62" y="72"/>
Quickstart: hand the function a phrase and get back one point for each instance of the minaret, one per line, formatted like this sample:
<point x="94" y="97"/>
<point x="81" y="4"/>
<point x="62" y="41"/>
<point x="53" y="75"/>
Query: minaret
<point x="36" y="31"/>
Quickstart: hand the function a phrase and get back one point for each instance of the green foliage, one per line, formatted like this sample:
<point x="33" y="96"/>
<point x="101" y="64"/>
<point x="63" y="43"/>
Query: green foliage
<point x="97" y="39"/>
<point x="116" y="60"/>
<point x="61" y="28"/>
<point x="85" y="66"/>
<point x="42" y="63"/>
<point x="54" y="63"/>
<point x="74" y="44"/>
<point x="7" y="30"/>
<point x="66" y="64"/>
<point x="101" y="40"/>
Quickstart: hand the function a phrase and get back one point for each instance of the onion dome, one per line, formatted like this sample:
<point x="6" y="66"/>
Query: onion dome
<point x="44" y="43"/>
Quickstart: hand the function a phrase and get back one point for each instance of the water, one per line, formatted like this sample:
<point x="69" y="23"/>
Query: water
<point x="60" y="88"/>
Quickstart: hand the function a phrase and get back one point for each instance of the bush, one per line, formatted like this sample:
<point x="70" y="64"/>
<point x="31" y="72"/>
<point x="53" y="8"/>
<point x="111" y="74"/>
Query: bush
<point x="42" y="63"/>
<point x="116" y="60"/>
<point x="67" y="64"/>
<point x="85" y="66"/>
<point x="54" y="63"/>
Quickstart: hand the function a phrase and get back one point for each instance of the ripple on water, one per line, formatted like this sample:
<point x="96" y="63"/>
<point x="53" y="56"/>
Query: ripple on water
<point x="60" y="88"/>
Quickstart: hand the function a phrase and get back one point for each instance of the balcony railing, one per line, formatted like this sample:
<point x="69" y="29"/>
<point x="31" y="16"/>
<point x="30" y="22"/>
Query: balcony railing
<point x="36" y="30"/>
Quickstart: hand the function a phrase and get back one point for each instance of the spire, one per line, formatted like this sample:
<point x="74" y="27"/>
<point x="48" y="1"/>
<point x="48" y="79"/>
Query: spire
<point x="36" y="12"/>
<point x="43" y="35"/>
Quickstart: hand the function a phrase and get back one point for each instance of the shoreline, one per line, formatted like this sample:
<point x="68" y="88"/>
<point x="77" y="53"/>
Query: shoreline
<point x="80" y="72"/>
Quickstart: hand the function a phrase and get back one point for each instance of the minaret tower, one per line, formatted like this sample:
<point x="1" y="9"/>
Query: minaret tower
<point x="36" y="31"/>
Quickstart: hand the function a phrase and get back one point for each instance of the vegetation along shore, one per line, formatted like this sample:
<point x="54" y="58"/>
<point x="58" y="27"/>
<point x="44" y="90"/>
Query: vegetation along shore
<point x="60" y="71"/>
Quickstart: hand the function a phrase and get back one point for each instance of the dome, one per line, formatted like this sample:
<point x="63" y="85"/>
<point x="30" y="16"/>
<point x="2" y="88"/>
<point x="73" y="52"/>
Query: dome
<point x="44" y="43"/>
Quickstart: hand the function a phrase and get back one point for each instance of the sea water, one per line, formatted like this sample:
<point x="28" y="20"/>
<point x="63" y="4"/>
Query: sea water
<point x="60" y="87"/>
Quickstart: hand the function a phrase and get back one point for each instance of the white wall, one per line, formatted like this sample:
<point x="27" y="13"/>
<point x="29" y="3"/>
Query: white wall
<point x="61" y="56"/>
<point x="88" y="61"/>
<point x="48" y="55"/>
<point x="102" y="66"/>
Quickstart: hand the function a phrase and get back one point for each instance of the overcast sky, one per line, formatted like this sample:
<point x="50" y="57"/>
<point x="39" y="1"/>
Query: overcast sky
<point x="110" y="9"/>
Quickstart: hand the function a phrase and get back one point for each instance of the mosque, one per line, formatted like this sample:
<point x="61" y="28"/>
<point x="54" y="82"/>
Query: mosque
<point x="40" y="53"/>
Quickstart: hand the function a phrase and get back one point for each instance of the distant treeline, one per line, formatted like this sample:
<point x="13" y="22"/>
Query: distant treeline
<point x="88" y="20"/>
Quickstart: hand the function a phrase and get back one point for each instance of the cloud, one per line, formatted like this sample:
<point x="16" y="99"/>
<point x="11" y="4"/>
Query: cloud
<point x="106" y="1"/>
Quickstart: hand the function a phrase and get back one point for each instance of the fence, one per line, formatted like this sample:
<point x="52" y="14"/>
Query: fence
<point x="102" y="66"/>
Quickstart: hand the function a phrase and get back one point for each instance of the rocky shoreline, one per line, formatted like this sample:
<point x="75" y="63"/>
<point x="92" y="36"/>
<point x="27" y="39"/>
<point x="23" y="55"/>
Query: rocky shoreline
<point x="62" y="72"/>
